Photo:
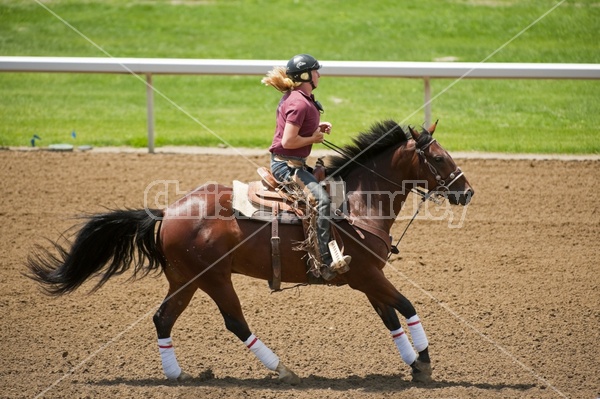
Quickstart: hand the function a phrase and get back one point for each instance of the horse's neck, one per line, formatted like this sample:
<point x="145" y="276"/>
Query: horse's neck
<point x="378" y="208"/>
<point x="378" y="200"/>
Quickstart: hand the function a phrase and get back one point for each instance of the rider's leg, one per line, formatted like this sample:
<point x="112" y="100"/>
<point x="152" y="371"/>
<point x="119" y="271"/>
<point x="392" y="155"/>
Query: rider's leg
<point x="280" y="170"/>
<point x="283" y="172"/>
<point x="323" y="209"/>
<point x="340" y="265"/>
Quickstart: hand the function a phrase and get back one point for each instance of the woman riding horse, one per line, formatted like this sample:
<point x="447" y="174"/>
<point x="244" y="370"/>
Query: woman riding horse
<point x="200" y="243"/>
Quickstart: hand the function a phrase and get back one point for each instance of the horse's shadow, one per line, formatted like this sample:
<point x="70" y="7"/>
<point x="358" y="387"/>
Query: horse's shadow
<point x="368" y="383"/>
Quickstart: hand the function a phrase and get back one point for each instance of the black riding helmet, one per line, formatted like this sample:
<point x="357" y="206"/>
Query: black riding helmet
<point x="298" y="68"/>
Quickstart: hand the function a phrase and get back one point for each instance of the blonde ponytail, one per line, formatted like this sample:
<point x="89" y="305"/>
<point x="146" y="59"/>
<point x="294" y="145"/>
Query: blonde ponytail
<point x="279" y="80"/>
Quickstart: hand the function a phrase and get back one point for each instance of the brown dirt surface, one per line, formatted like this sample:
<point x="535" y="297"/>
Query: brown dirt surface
<point x="510" y="300"/>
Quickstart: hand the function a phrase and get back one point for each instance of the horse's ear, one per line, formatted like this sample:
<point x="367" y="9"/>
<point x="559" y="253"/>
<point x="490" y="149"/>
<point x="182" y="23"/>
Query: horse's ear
<point x="413" y="133"/>
<point x="432" y="127"/>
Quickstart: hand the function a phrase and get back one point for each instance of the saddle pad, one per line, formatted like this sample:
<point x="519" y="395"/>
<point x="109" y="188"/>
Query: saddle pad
<point x="240" y="199"/>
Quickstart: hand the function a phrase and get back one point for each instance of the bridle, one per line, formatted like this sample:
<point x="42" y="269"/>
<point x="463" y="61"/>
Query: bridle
<point x="432" y="195"/>
<point x="441" y="187"/>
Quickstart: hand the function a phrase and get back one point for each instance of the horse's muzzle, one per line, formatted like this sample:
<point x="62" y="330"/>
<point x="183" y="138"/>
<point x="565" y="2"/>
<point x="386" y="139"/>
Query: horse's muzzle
<point x="460" y="198"/>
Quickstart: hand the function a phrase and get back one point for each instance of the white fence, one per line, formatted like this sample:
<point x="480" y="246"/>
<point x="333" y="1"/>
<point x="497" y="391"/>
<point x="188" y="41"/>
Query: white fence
<point x="421" y="70"/>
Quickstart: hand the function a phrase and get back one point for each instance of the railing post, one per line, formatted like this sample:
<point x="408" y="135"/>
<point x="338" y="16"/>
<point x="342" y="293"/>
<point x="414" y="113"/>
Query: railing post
<point x="150" y="112"/>
<point x="427" y="105"/>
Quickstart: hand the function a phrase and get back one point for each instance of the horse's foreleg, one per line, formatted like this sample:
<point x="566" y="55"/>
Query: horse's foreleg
<point x="229" y="305"/>
<point x="390" y="319"/>
<point x="386" y="300"/>
<point x="417" y="333"/>
<point x="419" y="363"/>
<point x="174" y="304"/>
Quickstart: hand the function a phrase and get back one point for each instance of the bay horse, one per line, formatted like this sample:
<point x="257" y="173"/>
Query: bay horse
<point x="204" y="248"/>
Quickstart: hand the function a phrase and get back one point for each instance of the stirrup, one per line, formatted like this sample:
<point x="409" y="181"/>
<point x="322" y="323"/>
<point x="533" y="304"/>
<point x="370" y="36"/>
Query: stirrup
<point x="341" y="263"/>
<point x="329" y="272"/>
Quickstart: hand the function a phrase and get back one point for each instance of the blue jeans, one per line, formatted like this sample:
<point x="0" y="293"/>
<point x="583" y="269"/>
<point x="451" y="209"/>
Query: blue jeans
<point x="283" y="172"/>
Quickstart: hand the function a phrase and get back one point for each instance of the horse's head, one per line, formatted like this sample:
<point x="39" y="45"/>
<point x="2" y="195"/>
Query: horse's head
<point x="439" y="169"/>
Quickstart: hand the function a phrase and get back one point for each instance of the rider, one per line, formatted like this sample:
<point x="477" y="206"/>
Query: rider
<point x="298" y="128"/>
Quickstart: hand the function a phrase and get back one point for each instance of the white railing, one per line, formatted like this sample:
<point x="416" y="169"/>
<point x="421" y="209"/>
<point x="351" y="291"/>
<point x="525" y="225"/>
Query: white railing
<point x="421" y="70"/>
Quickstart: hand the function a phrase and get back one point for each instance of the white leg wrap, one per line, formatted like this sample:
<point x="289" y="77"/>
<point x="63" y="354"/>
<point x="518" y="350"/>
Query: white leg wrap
<point x="417" y="333"/>
<point x="169" y="361"/>
<point x="404" y="347"/>
<point x="262" y="352"/>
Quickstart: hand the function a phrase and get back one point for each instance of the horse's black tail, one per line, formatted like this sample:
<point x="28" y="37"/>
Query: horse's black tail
<point x="105" y="246"/>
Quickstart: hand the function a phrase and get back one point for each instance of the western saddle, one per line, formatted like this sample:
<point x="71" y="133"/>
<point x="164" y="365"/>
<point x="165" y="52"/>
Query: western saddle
<point x="272" y="196"/>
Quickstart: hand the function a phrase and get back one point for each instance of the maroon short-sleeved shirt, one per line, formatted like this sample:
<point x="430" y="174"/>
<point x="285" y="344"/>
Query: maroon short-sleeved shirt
<point x="299" y="109"/>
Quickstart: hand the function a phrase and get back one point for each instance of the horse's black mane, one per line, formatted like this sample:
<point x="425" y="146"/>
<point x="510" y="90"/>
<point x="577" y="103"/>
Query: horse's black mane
<point x="385" y="134"/>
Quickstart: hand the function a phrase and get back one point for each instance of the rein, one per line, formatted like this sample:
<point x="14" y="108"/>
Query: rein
<point x="393" y="249"/>
<point x="432" y="195"/>
<point x="424" y="197"/>
<point x="340" y="151"/>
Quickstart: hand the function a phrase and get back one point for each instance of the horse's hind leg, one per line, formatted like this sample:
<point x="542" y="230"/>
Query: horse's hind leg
<point x="222" y="292"/>
<point x="176" y="301"/>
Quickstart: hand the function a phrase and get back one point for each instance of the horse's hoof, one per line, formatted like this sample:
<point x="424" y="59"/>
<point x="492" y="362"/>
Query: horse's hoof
<point x="419" y="376"/>
<point x="286" y="375"/>
<point x="421" y="371"/>
<point x="183" y="377"/>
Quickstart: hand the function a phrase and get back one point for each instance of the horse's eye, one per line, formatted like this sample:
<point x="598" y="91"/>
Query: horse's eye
<point x="438" y="159"/>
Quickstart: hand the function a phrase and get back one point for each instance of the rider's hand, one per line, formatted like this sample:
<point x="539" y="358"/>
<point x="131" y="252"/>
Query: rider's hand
<point x="318" y="136"/>
<point x="325" y="127"/>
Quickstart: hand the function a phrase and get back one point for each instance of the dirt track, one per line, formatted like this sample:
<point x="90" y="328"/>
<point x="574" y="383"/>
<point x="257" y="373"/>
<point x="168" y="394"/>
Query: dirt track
<point x="510" y="301"/>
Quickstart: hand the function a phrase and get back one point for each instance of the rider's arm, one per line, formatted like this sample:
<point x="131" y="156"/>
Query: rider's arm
<point x="292" y="140"/>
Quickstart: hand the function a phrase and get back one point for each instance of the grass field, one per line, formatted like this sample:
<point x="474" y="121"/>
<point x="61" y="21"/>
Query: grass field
<point x="541" y="116"/>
